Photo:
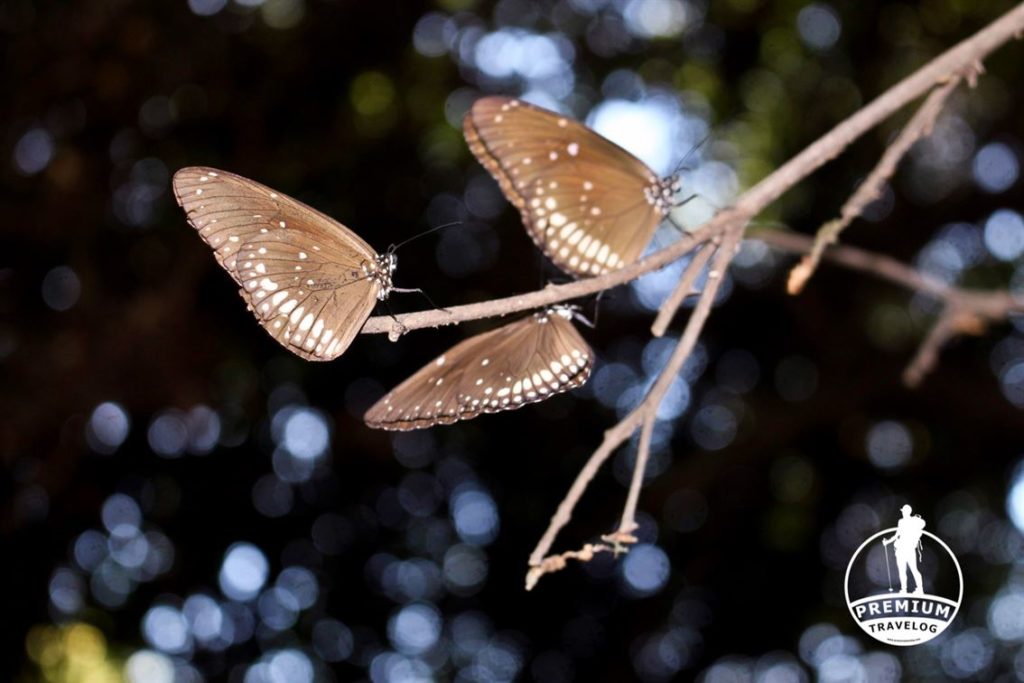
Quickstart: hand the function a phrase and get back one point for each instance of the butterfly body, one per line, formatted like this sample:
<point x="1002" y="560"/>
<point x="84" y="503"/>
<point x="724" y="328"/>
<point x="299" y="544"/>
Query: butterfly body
<point x="522" y="362"/>
<point x="589" y="205"/>
<point x="309" y="280"/>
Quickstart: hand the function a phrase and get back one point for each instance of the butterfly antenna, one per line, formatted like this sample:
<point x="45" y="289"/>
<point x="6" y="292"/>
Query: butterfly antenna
<point x="542" y="281"/>
<point x="597" y="305"/>
<point x="396" y="247"/>
<point x="682" y="163"/>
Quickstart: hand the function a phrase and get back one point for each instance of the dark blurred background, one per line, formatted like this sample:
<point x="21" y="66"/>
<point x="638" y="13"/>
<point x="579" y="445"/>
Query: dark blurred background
<point x="182" y="500"/>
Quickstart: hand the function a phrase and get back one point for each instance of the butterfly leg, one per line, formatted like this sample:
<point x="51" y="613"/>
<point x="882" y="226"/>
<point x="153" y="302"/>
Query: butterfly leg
<point x="676" y="206"/>
<point x="395" y="334"/>
<point x="675" y="225"/>
<point x="417" y="290"/>
<point x="577" y="314"/>
<point x="681" y="166"/>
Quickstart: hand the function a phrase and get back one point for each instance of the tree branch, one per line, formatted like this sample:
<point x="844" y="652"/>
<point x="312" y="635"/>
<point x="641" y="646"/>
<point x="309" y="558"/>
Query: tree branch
<point x="964" y="311"/>
<point x="627" y="525"/>
<point x="683" y="289"/>
<point x="955" y="60"/>
<point x="944" y="329"/>
<point x="877" y="265"/>
<point x="920" y="126"/>
<point x="729" y="225"/>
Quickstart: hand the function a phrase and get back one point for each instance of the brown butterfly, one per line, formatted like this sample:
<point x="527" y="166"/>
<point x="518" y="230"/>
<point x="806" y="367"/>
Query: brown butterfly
<point x="310" y="281"/>
<point x="503" y="369"/>
<point x="590" y="205"/>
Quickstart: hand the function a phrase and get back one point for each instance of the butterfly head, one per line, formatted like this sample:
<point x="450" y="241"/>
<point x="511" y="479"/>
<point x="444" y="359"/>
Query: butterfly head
<point x="565" y="311"/>
<point x="385" y="268"/>
<point x="661" y="193"/>
<point x="675" y="183"/>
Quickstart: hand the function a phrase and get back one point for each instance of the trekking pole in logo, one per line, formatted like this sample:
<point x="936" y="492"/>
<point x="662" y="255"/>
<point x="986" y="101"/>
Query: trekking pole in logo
<point x="888" y="572"/>
<point x="918" y="612"/>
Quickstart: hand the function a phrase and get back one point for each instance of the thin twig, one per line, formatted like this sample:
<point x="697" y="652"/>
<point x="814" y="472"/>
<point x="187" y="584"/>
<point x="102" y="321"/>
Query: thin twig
<point x="920" y="126"/>
<point x="668" y="374"/>
<point x="964" y="311"/>
<point x="878" y="265"/>
<point x="684" y="288"/>
<point x="613" y="438"/>
<point x="927" y="354"/>
<point x="540" y="563"/>
<point x="643" y="453"/>
<point x="558" y="562"/>
<point x="992" y="305"/>
<point x="616" y="436"/>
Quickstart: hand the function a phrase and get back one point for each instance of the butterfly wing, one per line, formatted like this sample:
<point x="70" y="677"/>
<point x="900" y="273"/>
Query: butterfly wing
<point x="310" y="281"/>
<point x="590" y="205"/>
<point x="503" y="369"/>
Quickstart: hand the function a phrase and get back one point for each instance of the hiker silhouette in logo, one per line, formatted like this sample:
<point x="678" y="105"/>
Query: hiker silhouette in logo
<point x="907" y="548"/>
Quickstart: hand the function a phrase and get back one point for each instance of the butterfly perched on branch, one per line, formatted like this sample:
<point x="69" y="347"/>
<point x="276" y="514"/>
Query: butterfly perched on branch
<point x="590" y="205"/>
<point x="310" y="281"/>
<point x="523" y="362"/>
